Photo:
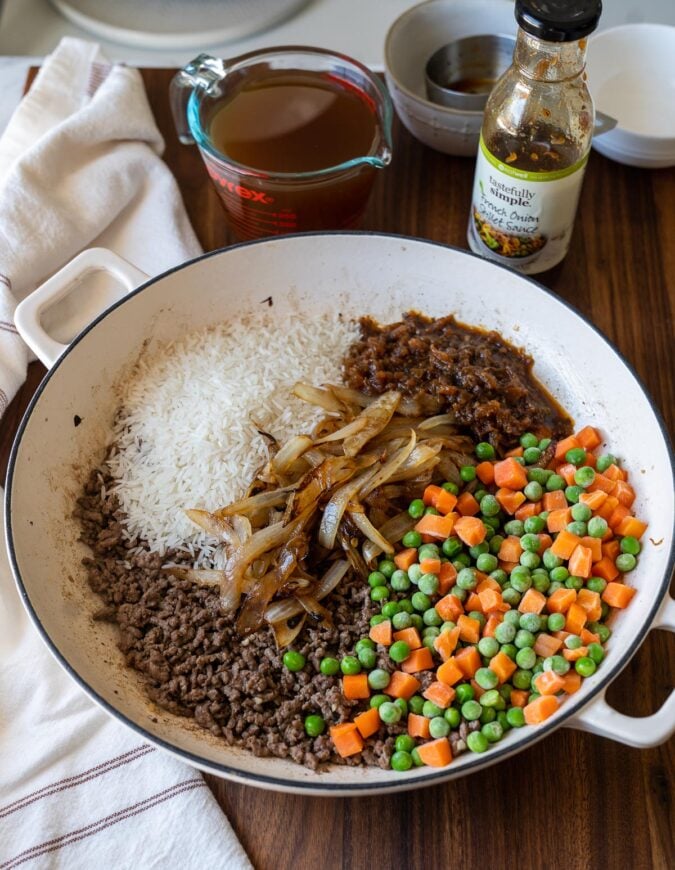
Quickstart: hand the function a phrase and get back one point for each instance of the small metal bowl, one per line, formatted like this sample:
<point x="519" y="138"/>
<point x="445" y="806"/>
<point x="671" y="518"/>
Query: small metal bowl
<point x="461" y="74"/>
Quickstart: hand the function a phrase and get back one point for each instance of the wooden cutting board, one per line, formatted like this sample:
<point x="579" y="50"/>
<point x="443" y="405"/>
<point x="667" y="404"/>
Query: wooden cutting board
<point x="574" y="801"/>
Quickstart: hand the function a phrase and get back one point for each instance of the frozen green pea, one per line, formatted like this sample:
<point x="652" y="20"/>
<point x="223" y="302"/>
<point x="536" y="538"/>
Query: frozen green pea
<point x="438" y="727"/>
<point x="597" y="527"/>
<point x="630" y="545"/>
<point x="625" y="562"/>
<point x="572" y="493"/>
<point x="400" y="582"/>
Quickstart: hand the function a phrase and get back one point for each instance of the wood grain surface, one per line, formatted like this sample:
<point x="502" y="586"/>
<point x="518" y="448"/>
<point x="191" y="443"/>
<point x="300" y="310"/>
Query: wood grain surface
<point x="574" y="801"/>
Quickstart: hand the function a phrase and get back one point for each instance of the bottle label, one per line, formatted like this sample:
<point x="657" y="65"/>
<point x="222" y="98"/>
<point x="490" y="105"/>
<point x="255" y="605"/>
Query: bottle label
<point x="523" y="219"/>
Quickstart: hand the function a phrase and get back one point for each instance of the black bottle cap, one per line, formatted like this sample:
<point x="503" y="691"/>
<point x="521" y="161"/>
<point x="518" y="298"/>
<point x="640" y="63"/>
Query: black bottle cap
<point x="558" y="20"/>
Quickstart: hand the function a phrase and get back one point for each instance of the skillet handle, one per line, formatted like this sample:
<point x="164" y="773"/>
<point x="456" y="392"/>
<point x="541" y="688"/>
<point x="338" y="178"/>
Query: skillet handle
<point x="642" y="732"/>
<point x="28" y="315"/>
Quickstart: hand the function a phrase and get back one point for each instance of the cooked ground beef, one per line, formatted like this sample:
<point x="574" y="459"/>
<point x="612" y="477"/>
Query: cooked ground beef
<point x="446" y="366"/>
<point x="195" y="664"/>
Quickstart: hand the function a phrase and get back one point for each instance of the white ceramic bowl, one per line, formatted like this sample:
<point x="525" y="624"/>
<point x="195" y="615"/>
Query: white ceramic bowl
<point x="411" y="41"/>
<point x="356" y="274"/>
<point x="632" y="78"/>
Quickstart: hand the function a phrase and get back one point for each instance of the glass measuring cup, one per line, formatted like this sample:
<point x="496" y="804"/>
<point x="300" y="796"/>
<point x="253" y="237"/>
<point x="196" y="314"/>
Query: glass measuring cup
<point x="263" y="202"/>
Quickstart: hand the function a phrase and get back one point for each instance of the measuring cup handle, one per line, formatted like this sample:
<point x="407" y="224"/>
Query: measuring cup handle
<point x="203" y="72"/>
<point x="179" y="94"/>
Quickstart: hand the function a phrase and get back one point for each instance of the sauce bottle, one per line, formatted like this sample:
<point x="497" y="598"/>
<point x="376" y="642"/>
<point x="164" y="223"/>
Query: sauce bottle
<point x="535" y="139"/>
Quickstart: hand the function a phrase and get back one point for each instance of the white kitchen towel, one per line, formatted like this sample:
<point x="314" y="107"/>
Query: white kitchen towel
<point x="80" y="166"/>
<point x="80" y="791"/>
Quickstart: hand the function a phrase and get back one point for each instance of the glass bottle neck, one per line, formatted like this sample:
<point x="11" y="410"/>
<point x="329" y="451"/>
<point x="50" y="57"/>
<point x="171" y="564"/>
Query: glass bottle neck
<point x="549" y="61"/>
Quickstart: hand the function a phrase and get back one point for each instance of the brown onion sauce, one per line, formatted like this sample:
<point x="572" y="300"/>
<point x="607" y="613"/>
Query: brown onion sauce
<point x="447" y="366"/>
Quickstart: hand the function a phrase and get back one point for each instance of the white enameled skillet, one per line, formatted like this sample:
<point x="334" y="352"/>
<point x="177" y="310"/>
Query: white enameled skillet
<point x="357" y="273"/>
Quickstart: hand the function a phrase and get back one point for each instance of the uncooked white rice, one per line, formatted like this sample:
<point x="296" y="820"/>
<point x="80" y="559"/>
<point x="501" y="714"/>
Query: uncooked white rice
<point x="185" y="436"/>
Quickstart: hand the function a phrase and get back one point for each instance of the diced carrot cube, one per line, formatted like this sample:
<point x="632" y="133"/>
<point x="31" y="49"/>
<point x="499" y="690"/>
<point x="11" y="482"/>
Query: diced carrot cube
<point x="546" y="541"/>
<point x="406" y="558"/>
<point x="617" y="516"/>
<point x="532" y="602"/>
<point x="368" y="723"/>
<point x="593" y="500"/>
<point x="449" y="608"/>
<point x="567" y="471"/>
<point x="576" y="619"/>
<point x="470" y="530"/>
<point x="445" y="502"/>
<point x="418" y="660"/>
<point x="545" y="645"/>
<point x="558" y="519"/>
<point x="467" y="505"/>
<point x="436" y="526"/>
<point x="402" y="685"/>
<point x="510" y="499"/>
<point x="602" y="483"/>
<point x="430" y="493"/>
<point x="430" y="566"/>
<point x="573" y="654"/>
<point x="493" y="620"/>
<point x="528" y="509"/>
<point x="436" y="753"/>
<point x="625" y="493"/>
<point x="608" y="507"/>
<point x="540" y="709"/>
<point x="510" y="474"/>
<point x="446" y="577"/>
<point x="381" y="633"/>
<point x="449" y="672"/>
<point x="490" y="599"/>
<point x="549" y="683"/>
<point x="631" y="527"/>
<point x="591" y="603"/>
<point x="566" y="444"/>
<point x="346" y="739"/>
<point x="606" y="569"/>
<point x="468" y="660"/>
<point x="507" y="567"/>
<point x="565" y="544"/>
<point x="473" y="602"/>
<point x="615" y="473"/>
<point x="503" y="666"/>
<point x="589" y="438"/>
<point x="515" y="451"/>
<point x="411" y="636"/>
<point x="486" y="582"/>
<point x="510" y="549"/>
<point x="589" y="637"/>
<point x="355" y="686"/>
<point x="469" y="629"/>
<point x="611" y="549"/>
<point x="572" y="682"/>
<point x="594" y="545"/>
<point x="618" y="595"/>
<point x="446" y="643"/>
<point x="418" y="726"/>
<point x="554" y="501"/>
<point x="561" y="600"/>
<point x="485" y="472"/>
<point x="439" y="693"/>
<point x="580" y="562"/>
<point x="519" y="697"/>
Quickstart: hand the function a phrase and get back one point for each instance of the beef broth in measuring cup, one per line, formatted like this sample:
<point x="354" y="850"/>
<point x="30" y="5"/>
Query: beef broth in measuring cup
<point x="292" y="138"/>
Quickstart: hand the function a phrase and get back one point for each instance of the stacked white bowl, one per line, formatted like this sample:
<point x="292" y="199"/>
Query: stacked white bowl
<point x="632" y="78"/>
